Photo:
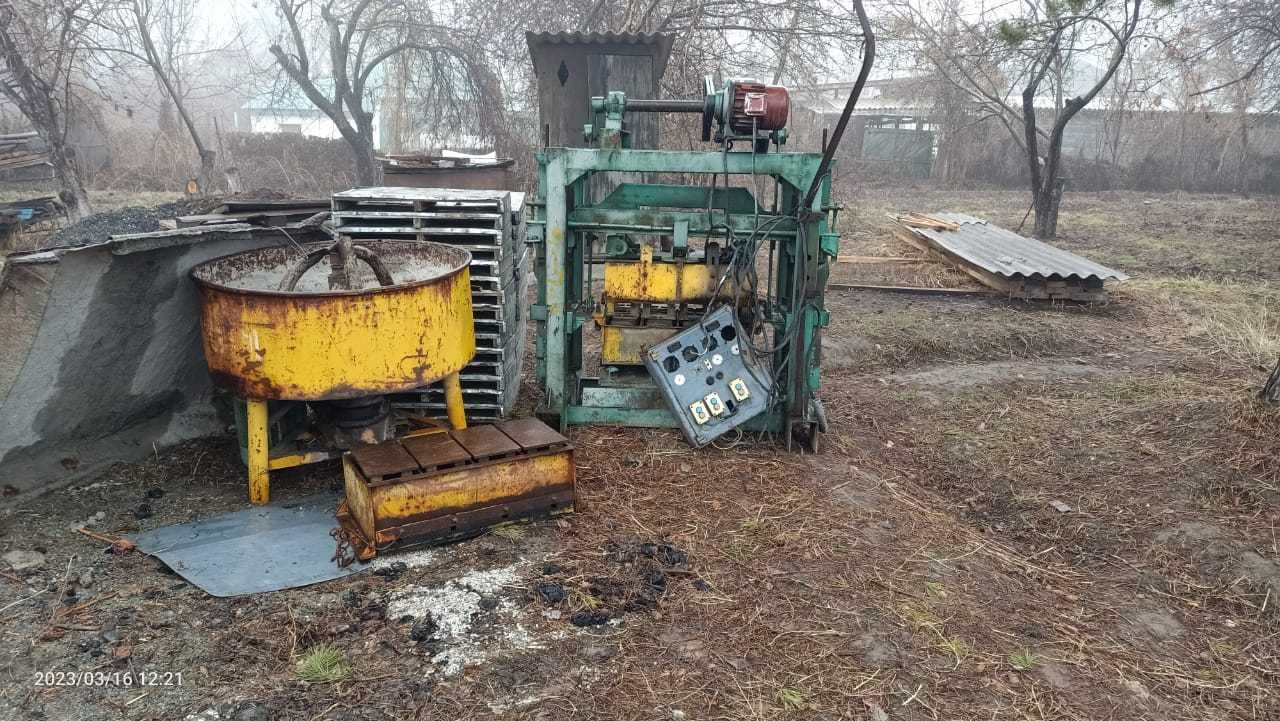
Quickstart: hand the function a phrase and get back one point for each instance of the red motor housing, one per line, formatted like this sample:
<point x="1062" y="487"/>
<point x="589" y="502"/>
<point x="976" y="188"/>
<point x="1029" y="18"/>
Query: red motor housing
<point x="767" y="105"/>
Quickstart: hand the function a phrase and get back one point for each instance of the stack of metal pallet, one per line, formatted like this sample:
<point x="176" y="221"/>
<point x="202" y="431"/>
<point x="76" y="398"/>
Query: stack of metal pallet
<point x="490" y="224"/>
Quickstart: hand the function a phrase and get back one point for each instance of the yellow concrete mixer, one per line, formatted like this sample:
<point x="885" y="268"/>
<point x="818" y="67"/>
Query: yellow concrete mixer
<point x="330" y="329"/>
<point x="336" y="326"/>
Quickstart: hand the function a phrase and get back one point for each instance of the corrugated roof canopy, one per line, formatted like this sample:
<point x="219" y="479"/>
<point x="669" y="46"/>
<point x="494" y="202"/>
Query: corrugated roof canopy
<point x="660" y="44"/>
<point x="580" y="37"/>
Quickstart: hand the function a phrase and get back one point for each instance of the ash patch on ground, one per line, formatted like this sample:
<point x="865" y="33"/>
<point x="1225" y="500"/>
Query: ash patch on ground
<point x="101" y="226"/>
<point x="465" y="621"/>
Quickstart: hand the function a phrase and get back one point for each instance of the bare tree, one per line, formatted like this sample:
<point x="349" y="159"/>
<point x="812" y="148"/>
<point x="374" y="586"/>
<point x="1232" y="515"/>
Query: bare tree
<point x="1039" y="52"/>
<point x="353" y="40"/>
<point x="792" y="42"/>
<point x="161" y="35"/>
<point x="1041" y="41"/>
<point x="1250" y="30"/>
<point x="45" y="46"/>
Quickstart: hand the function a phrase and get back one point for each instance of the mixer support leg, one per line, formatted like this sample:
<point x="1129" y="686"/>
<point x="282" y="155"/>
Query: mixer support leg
<point x="453" y="401"/>
<point x="259" y="480"/>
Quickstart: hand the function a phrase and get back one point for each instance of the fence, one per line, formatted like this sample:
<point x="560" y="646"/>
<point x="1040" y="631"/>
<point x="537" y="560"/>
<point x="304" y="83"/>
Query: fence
<point x="1102" y="150"/>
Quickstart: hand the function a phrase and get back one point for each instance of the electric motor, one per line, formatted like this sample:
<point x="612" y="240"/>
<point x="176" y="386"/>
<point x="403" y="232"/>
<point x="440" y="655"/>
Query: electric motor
<point x="757" y="106"/>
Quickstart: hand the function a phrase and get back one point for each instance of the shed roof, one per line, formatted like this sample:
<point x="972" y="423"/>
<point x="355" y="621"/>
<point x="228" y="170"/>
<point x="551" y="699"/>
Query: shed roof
<point x="656" y="44"/>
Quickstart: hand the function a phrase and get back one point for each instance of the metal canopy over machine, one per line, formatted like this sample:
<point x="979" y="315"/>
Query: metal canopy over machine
<point x="754" y="232"/>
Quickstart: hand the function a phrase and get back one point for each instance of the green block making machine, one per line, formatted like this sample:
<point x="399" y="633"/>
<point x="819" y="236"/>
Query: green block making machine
<point x="679" y="237"/>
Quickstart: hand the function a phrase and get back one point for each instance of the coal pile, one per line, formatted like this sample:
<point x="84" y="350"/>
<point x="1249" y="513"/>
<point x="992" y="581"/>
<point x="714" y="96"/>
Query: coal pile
<point x="101" y="226"/>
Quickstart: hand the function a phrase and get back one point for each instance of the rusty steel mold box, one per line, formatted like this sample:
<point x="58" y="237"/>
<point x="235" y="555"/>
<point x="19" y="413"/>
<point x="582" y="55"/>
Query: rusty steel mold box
<point x="445" y="485"/>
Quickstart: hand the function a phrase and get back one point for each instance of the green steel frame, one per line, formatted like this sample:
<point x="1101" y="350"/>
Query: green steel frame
<point x="801" y="244"/>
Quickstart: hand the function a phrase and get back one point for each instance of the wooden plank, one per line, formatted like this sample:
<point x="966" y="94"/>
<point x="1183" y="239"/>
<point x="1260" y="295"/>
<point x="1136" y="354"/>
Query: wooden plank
<point x="435" y="451"/>
<point x="263" y="218"/>
<point x="188" y="221"/>
<point x="531" y="433"/>
<point x="25" y="160"/>
<point x="926" y="244"/>
<point x="383" y="459"/>
<point x="871" y="259"/>
<point x="235" y="205"/>
<point x="920" y="220"/>
<point x="49" y="202"/>
<point x="910" y="289"/>
<point x="485" y="442"/>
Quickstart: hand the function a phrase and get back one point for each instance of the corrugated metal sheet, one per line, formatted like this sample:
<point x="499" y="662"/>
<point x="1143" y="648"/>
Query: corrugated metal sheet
<point x="579" y="38"/>
<point x="1009" y="255"/>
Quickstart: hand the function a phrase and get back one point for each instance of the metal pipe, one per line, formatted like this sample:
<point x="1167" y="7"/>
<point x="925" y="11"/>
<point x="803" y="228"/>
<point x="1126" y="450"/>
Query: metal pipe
<point x="868" y="57"/>
<point x="658" y="105"/>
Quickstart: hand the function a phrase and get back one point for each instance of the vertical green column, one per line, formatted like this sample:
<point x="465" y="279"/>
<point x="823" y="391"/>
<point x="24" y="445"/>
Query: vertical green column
<point x="554" y="274"/>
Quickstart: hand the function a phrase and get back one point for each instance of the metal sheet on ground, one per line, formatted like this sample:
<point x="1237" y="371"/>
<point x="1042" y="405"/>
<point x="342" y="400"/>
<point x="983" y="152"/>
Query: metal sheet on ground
<point x="254" y="550"/>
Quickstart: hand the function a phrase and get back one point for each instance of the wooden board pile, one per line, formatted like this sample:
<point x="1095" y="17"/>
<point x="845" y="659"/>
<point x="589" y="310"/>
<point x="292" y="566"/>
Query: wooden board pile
<point x="23" y="157"/>
<point x="19" y="213"/>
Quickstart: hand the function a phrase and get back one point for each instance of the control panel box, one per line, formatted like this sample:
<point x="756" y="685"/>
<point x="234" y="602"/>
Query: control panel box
<point x="709" y="378"/>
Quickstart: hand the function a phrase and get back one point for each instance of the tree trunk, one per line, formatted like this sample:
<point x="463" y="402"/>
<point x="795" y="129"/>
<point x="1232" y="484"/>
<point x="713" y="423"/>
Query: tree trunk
<point x="208" y="168"/>
<point x="1271" y="390"/>
<point x="175" y="100"/>
<point x="1242" y="172"/>
<point x="1047" y="202"/>
<point x="73" y="195"/>
<point x="368" y="172"/>
<point x="1182" y="150"/>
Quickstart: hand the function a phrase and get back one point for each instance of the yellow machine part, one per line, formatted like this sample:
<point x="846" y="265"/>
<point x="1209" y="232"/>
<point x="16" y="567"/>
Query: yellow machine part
<point x="662" y="281"/>
<point x="626" y="345"/>
<point x="381" y="510"/>
<point x="330" y="346"/>
<point x="528" y="471"/>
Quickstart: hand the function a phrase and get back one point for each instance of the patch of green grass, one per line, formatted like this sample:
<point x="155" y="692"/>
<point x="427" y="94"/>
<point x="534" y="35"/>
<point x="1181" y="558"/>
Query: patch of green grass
<point x="513" y="532"/>
<point x="918" y="616"/>
<point x="323" y="663"/>
<point x="1022" y="660"/>
<point x="789" y="698"/>
<point x="1223" y="649"/>
<point x="759" y="523"/>
<point x="957" y="647"/>
<point x="583" y="599"/>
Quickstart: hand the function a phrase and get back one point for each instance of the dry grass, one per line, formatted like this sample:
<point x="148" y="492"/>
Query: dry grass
<point x="1248" y="337"/>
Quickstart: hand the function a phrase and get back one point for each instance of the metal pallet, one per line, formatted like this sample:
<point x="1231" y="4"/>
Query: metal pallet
<point x="490" y="383"/>
<point x="489" y="224"/>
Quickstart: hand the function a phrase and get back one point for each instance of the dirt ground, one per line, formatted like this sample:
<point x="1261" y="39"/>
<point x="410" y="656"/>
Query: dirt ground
<point x="1021" y="511"/>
